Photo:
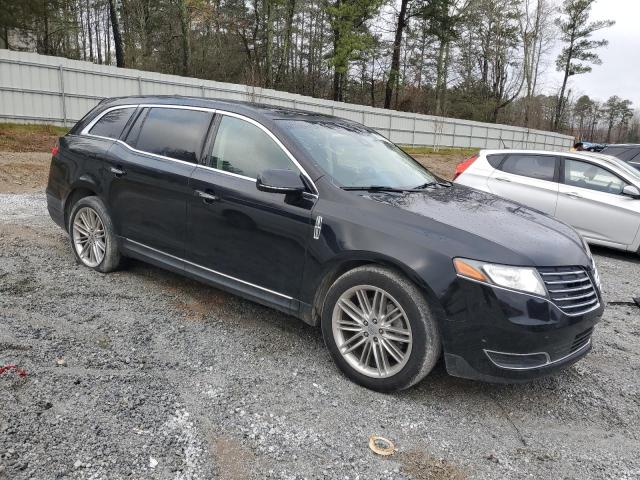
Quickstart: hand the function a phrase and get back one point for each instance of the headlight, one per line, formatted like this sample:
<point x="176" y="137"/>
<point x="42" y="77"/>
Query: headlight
<point x="596" y="275"/>
<point x="525" y="279"/>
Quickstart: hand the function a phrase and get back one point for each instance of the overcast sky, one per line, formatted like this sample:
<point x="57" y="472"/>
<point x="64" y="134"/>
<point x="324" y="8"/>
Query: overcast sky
<point x="619" y="73"/>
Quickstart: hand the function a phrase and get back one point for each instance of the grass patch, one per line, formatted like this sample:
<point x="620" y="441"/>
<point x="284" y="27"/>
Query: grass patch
<point x="22" y="128"/>
<point x="439" y="150"/>
<point x="19" y="137"/>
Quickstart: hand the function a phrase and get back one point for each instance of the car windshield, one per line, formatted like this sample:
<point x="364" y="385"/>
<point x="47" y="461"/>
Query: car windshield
<point x="357" y="157"/>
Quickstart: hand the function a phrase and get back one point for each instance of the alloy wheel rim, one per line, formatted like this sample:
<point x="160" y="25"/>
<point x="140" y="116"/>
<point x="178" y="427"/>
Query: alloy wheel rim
<point x="89" y="237"/>
<point x="372" y="331"/>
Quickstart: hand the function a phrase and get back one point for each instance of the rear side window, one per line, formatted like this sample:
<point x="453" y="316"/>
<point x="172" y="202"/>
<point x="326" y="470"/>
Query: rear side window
<point x="175" y="133"/>
<point x="495" y="160"/>
<point x="112" y="124"/>
<point x="542" y="167"/>
<point x="242" y="148"/>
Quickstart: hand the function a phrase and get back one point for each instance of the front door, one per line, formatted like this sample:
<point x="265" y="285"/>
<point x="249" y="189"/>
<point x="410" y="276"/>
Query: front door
<point x="592" y="202"/>
<point x="236" y="233"/>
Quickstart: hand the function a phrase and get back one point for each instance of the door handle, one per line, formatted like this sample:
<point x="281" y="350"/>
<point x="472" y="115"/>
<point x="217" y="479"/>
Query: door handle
<point x="206" y="196"/>
<point x="502" y="179"/>
<point x="572" y="194"/>
<point x="118" y="172"/>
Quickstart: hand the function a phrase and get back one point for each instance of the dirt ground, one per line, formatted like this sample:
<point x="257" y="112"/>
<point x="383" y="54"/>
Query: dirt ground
<point x="145" y="374"/>
<point x="442" y="164"/>
<point x="28" y="138"/>
<point x="23" y="172"/>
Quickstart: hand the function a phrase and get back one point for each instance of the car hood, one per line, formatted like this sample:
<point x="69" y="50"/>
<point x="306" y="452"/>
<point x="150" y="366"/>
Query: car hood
<point x="479" y="222"/>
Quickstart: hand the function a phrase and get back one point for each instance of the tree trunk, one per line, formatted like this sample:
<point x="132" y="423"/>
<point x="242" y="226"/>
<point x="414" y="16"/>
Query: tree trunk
<point x="89" y="31"/>
<point x="96" y="14"/>
<point x="394" y="72"/>
<point x="373" y="81"/>
<point x="184" y="30"/>
<point x="439" y="78"/>
<point x="284" y="59"/>
<point x="117" y="38"/>
<point x="45" y="41"/>
<point x="560" y="102"/>
<point x="268" y="60"/>
<point x="337" y="80"/>
<point x="5" y="38"/>
<point x="107" y="38"/>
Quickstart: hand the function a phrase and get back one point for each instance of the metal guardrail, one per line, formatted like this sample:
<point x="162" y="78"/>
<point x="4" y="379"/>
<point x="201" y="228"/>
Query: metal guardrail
<point x="36" y="88"/>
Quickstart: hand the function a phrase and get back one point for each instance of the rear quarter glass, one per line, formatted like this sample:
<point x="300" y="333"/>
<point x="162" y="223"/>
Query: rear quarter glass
<point x="495" y="160"/>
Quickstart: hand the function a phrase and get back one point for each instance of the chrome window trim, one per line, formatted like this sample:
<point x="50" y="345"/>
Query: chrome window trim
<point x="287" y="297"/>
<point x="86" y="131"/>
<point x="231" y="174"/>
<point x="547" y="364"/>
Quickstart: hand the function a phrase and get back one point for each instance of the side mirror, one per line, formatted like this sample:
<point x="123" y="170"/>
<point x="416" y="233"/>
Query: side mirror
<point x="280" y="181"/>
<point x="631" y="191"/>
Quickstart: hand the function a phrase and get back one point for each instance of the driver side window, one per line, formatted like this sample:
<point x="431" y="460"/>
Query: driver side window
<point x="586" y="175"/>
<point x="244" y="149"/>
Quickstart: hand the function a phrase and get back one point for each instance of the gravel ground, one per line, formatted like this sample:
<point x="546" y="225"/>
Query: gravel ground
<point x="144" y="374"/>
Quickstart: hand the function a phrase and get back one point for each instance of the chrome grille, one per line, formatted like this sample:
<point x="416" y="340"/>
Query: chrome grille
<point x="570" y="288"/>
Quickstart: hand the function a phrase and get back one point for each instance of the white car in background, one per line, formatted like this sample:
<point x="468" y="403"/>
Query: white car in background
<point x="599" y="195"/>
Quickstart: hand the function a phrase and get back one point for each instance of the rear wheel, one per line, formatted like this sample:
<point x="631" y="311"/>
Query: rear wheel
<point x="379" y="329"/>
<point x="92" y="236"/>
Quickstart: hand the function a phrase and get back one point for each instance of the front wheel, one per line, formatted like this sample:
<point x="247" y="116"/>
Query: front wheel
<point x="92" y="235"/>
<point x="379" y="329"/>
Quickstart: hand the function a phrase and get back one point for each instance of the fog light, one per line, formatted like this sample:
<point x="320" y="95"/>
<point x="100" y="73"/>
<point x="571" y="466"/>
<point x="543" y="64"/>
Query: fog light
<point x="518" y="361"/>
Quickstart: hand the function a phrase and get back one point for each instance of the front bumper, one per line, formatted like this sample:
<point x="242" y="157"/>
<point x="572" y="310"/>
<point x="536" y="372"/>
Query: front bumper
<point x="500" y="335"/>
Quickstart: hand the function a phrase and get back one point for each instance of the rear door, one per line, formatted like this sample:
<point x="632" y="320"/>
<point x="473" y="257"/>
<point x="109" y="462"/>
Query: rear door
<point x="238" y="234"/>
<point x="104" y="131"/>
<point x="530" y="179"/>
<point x="149" y="175"/>
<point x="591" y="201"/>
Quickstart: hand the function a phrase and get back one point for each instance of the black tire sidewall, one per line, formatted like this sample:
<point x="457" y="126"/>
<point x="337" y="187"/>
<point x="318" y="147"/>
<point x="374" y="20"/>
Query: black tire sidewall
<point x="380" y="278"/>
<point x="111" y="258"/>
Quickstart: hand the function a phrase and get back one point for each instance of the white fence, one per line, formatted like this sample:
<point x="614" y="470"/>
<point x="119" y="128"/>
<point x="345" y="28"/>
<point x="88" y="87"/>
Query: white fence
<point x="41" y="89"/>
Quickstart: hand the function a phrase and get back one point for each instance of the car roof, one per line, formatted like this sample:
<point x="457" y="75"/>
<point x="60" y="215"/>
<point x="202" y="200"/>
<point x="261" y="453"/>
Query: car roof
<point x="600" y="158"/>
<point x="250" y="109"/>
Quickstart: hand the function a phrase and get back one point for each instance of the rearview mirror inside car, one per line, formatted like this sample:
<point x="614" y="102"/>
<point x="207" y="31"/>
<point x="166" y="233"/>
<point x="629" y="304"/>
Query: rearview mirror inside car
<point x="280" y="181"/>
<point x="631" y="191"/>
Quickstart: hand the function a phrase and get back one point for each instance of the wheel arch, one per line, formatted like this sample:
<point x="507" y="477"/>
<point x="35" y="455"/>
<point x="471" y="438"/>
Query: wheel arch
<point x="343" y="264"/>
<point x="84" y="187"/>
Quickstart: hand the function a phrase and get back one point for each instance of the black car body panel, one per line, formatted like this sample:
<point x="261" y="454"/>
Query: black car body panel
<point x="630" y="153"/>
<point x="283" y="251"/>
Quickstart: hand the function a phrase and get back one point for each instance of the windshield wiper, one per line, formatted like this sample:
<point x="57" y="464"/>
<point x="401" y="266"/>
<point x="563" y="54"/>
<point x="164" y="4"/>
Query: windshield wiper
<point x="383" y="188"/>
<point x="444" y="183"/>
<point x="378" y="188"/>
<point x="425" y="185"/>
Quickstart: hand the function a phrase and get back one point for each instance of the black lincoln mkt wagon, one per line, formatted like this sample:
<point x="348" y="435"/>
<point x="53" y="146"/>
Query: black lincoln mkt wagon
<point x="324" y="219"/>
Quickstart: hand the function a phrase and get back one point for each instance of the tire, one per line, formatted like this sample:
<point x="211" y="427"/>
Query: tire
<point x="417" y="341"/>
<point x="82" y="215"/>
